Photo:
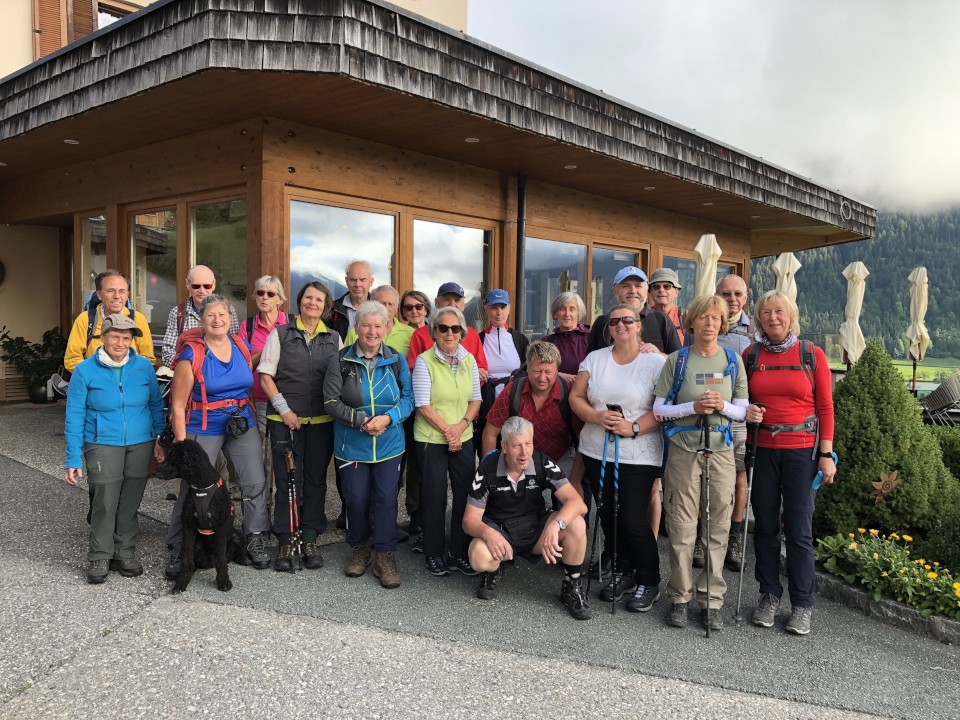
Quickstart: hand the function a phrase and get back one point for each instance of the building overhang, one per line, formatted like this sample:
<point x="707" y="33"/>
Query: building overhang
<point x="369" y="69"/>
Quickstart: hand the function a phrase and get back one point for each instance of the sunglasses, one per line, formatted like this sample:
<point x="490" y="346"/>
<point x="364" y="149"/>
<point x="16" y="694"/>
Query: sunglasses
<point x="458" y="329"/>
<point x="415" y="306"/>
<point x="625" y="320"/>
<point x="661" y="286"/>
<point x="267" y="293"/>
<point x="205" y="286"/>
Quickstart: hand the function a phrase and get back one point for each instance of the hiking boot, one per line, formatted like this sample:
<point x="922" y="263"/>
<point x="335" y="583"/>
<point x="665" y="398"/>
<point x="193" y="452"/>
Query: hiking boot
<point x="417" y="546"/>
<point x="172" y="571"/>
<point x="359" y="562"/>
<point x="385" y="570"/>
<point x="490" y="584"/>
<point x="604" y="564"/>
<point x="734" y="559"/>
<point x="573" y="594"/>
<point x="312" y="557"/>
<point x="257" y="550"/>
<point x="128" y="567"/>
<point x="284" y="561"/>
<point x="799" y="622"/>
<point x="342" y="520"/>
<point x="677" y="615"/>
<point x="711" y="618"/>
<point x="698" y="558"/>
<point x="643" y="598"/>
<point x="766" y="611"/>
<point x="97" y="571"/>
<point x="619" y="585"/>
<point x="437" y="567"/>
<point x="460" y="565"/>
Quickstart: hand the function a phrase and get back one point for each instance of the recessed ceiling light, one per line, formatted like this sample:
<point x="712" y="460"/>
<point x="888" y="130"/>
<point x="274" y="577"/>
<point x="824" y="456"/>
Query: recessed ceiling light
<point x="707" y="204"/>
<point x="3" y="164"/>
<point x="755" y="217"/>
<point x="71" y="142"/>
<point x="569" y="167"/>
<point x="471" y="140"/>
<point x="649" y="187"/>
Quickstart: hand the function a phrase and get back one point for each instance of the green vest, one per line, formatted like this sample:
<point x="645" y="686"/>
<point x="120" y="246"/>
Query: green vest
<point x="449" y="396"/>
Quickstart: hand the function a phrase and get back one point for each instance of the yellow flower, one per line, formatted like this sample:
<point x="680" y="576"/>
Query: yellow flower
<point x="926" y="567"/>
<point x="907" y="538"/>
<point x="883" y="574"/>
<point x="932" y="575"/>
<point x="861" y="530"/>
<point x="894" y="536"/>
<point x="902" y="570"/>
<point x="850" y="535"/>
<point x="936" y="564"/>
<point x="956" y="588"/>
<point x="852" y="546"/>
<point x="874" y="532"/>
<point x="921" y="561"/>
<point x="875" y="556"/>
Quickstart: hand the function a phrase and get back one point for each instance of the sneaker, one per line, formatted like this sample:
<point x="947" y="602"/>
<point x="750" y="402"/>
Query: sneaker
<point x="490" y="583"/>
<point x="437" y="567"/>
<point x="284" y="561"/>
<point x="711" y="618"/>
<point x="97" y="571"/>
<point x="342" y="520"/>
<point x="573" y="594"/>
<point x="619" y="585"/>
<point x="766" y="611"/>
<point x="172" y="571"/>
<point x="359" y="562"/>
<point x="385" y="570"/>
<point x="312" y="557"/>
<point x="257" y="550"/>
<point x="698" y="557"/>
<point x="734" y="559"/>
<point x="417" y="546"/>
<point x="128" y="567"/>
<point x="460" y="565"/>
<point x="677" y="615"/>
<point x="799" y="622"/>
<point x="604" y="565"/>
<point x="643" y="598"/>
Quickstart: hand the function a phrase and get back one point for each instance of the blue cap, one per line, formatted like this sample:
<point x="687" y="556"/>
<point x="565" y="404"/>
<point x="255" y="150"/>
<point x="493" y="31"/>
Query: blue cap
<point x="450" y="288"/>
<point x="497" y="297"/>
<point x="629" y="271"/>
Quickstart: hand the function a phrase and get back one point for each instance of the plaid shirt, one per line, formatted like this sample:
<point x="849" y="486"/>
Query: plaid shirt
<point x="550" y="433"/>
<point x="191" y="319"/>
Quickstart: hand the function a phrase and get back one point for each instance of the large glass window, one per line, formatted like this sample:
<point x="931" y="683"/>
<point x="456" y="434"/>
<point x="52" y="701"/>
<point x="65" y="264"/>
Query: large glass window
<point x="687" y="272"/>
<point x="606" y="263"/>
<point x="219" y="232"/>
<point x="93" y="254"/>
<point x="452" y="253"/>
<point x="325" y="238"/>
<point x="549" y="268"/>
<point x="153" y="237"/>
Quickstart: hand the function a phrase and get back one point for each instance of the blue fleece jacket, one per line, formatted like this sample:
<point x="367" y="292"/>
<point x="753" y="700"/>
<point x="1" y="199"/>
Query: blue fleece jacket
<point x="106" y="410"/>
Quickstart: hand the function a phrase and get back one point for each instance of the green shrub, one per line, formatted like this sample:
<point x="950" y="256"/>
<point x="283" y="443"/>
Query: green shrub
<point x="949" y="440"/>
<point x="942" y="543"/>
<point x="879" y="429"/>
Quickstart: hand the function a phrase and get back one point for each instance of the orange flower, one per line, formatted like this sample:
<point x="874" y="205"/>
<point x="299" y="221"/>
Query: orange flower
<point x="907" y="538"/>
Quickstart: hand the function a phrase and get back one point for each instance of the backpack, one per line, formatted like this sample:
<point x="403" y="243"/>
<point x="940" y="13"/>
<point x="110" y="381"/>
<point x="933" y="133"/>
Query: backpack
<point x="193" y="338"/>
<point x="249" y="323"/>
<point x="670" y="428"/>
<point x="808" y="364"/>
<point x="516" y="390"/>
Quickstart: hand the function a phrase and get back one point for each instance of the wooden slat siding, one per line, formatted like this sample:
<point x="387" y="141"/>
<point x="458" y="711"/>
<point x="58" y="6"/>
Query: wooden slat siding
<point x="50" y="20"/>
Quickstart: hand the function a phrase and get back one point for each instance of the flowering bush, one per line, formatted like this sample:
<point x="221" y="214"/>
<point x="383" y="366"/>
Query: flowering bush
<point x="883" y="565"/>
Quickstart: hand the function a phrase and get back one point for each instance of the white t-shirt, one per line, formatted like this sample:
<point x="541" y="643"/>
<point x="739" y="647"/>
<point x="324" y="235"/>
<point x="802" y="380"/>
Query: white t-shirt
<point x="631" y="387"/>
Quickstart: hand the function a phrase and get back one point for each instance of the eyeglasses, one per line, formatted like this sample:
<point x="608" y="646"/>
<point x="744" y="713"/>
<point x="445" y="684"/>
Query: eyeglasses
<point x="625" y="320"/>
<point x="115" y="291"/>
<point x="733" y="293"/>
<point x="205" y="286"/>
<point x="661" y="286"/>
<point x="458" y="329"/>
<point x="261" y="293"/>
<point x="415" y="306"/>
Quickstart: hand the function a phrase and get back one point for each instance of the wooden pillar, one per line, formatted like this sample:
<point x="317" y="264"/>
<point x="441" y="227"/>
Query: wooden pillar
<point x="268" y="251"/>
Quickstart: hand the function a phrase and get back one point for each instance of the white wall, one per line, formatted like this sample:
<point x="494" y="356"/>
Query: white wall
<point x="30" y="293"/>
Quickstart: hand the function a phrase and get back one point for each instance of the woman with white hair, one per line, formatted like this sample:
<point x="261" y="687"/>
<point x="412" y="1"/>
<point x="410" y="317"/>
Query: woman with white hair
<point x="570" y="335"/>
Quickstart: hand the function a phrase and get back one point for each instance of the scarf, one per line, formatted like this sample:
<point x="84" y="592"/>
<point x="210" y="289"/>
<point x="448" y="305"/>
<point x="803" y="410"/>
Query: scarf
<point x="110" y="362"/>
<point x="781" y="347"/>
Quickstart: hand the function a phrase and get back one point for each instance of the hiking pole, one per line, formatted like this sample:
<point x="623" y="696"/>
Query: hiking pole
<point x="706" y="501"/>
<point x="616" y="509"/>
<point x="296" y="562"/>
<point x="596" y="523"/>
<point x="749" y="461"/>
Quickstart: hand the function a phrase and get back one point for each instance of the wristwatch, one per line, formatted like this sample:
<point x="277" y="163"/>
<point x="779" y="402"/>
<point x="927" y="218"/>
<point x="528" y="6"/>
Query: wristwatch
<point x="636" y="429"/>
<point x="561" y="523"/>
<point x="831" y="455"/>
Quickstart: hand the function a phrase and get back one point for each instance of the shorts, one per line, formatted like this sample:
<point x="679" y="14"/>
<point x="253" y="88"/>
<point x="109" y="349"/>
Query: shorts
<point x="522" y="533"/>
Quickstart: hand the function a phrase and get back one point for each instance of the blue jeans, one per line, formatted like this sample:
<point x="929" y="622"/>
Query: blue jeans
<point x="784" y="477"/>
<point x="359" y="481"/>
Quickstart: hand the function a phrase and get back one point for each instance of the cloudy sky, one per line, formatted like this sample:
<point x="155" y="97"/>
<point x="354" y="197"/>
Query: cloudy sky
<point x="859" y="95"/>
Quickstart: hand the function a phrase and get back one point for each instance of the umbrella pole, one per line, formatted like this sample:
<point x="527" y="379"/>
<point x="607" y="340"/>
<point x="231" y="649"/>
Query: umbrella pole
<point x="914" y="377"/>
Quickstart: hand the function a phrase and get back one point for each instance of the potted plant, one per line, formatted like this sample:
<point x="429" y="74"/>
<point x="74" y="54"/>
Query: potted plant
<point x="34" y="362"/>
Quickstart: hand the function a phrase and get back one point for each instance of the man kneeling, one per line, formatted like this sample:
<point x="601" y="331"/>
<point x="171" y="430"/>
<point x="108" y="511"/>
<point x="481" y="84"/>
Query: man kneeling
<point x="507" y="515"/>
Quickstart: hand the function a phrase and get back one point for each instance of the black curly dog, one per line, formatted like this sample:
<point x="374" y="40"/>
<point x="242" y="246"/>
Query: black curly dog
<point x="207" y="515"/>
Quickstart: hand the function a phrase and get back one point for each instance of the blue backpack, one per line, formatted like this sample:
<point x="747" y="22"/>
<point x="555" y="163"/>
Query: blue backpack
<point x="670" y="428"/>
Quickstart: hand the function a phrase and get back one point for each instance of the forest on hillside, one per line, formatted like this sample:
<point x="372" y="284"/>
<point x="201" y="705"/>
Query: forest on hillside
<point x="902" y="242"/>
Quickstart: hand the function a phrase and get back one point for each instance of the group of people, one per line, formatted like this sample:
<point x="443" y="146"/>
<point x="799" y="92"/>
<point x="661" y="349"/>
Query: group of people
<point x="389" y="386"/>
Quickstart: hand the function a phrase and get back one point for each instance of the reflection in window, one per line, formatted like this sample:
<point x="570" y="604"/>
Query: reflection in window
<point x="154" y="251"/>
<point x="219" y="232"/>
<point x="549" y="268"/>
<point x="452" y="253"/>
<point x="606" y="264"/>
<point x="687" y="272"/>
<point x="93" y="254"/>
<point x="324" y="239"/>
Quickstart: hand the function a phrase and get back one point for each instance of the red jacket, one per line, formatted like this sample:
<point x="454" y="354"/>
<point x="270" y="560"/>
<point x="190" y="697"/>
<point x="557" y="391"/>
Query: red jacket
<point x="421" y="340"/>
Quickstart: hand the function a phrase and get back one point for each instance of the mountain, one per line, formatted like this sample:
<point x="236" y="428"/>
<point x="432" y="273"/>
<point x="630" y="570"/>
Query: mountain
<point x="902" y="242"/>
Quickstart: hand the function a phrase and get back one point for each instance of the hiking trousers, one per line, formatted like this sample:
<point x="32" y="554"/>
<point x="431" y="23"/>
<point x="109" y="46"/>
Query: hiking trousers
<point x="117" y="477"/>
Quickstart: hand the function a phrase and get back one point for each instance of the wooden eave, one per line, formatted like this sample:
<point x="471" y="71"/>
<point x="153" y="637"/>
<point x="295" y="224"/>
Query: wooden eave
<point x="368" y="69"/>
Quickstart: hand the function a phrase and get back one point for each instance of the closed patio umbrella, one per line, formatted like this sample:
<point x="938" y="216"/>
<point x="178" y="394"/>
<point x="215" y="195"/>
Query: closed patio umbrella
<point x="706" y="253"/>
<point x="785" y="268"/>
<point x="917" y="332"/>
<point x="851" y="336"/>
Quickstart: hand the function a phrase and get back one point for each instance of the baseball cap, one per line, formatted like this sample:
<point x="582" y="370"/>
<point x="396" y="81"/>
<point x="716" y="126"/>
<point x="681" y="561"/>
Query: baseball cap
<point x="629" y="271"/>
<point x="120" y="322"/>
<point x="497" y="297"/>
<point x="665" y="275"/>
<point x="450" y="288"/>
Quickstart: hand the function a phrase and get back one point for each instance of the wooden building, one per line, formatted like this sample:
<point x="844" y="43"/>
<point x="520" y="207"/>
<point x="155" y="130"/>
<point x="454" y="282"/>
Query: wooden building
<point x="291" y="136"/>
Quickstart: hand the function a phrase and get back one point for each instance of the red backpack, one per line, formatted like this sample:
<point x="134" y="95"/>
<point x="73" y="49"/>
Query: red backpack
<point x="193" y="339"/>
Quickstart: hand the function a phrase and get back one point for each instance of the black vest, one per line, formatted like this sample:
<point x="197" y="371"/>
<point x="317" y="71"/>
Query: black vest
<point x="302" y="367"/>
